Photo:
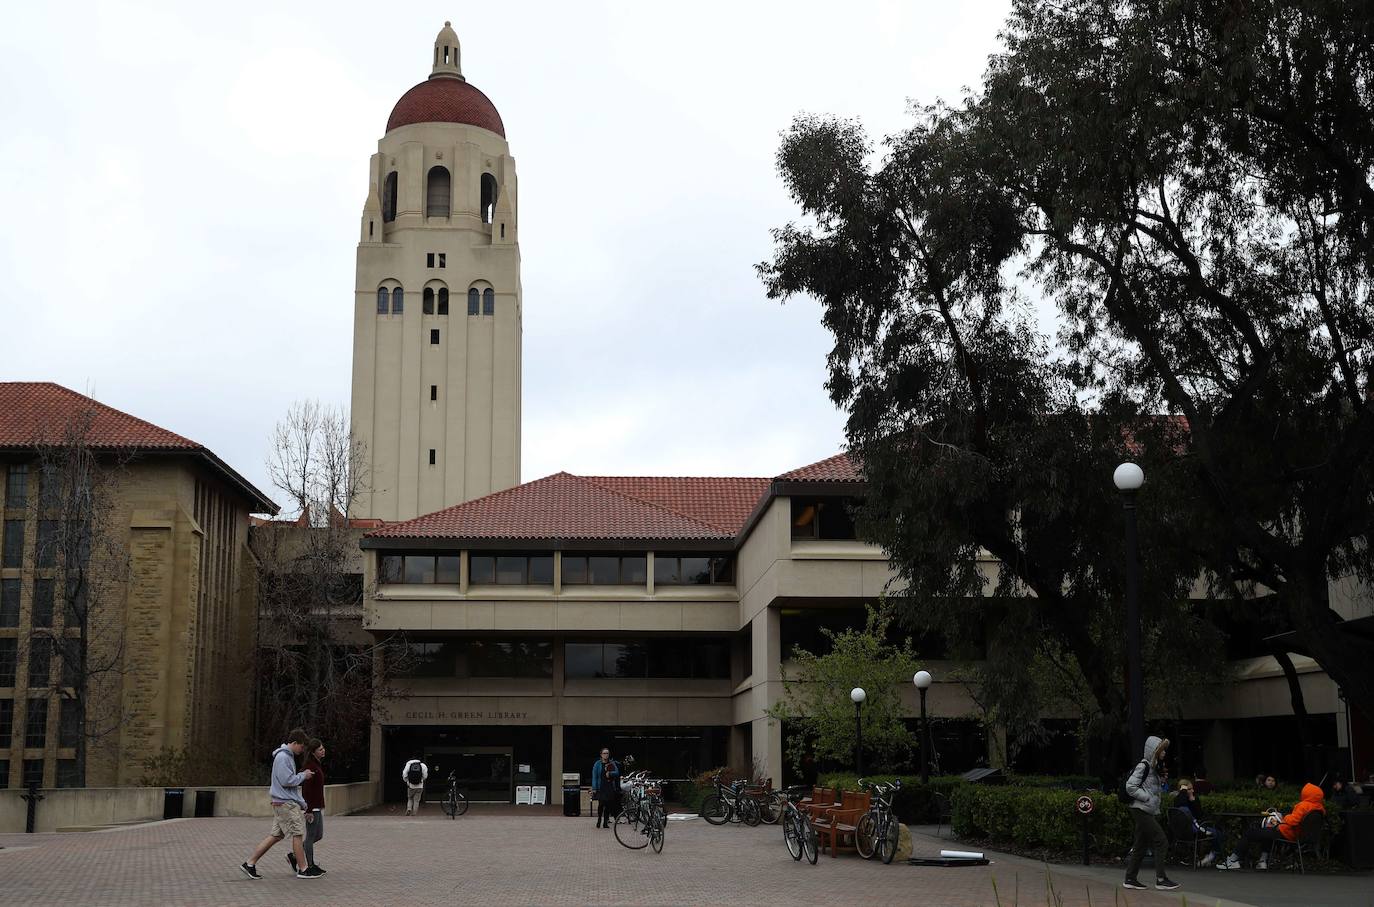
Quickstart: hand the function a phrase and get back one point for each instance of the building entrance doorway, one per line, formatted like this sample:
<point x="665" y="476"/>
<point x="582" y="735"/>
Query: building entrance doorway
<point x="485" y="774"/>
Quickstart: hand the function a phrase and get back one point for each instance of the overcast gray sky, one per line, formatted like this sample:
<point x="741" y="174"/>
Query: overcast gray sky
<point x="183" y="182"/>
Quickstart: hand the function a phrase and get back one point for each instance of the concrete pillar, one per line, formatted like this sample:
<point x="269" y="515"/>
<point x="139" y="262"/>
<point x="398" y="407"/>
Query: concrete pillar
<point x="556" y="764"/>
<point x="768" y="749"/>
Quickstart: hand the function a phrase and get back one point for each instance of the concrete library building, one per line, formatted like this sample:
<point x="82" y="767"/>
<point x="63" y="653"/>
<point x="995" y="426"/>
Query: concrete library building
<point x="653" y="615"/>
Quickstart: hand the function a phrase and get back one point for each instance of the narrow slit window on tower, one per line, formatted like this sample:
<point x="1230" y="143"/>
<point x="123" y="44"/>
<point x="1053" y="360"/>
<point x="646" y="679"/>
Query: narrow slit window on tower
<point x="434" y="336"/>
<point x="389" y="198"/>
<point x="429" y="259"/>
<point x="398" y="301"/>
<point x="383" y="298"/>
<point x="443" y="257"/>
<point x="474" y="301"/>
<point x="370" y="225"/>
<point x="427" y="304"/>
<point x="443" y="300"/>
<point x="503" y="231"/>
<point x="431" y="456"/>
<point x="489" y="190"/>
<point x="437" y="194"/>
<point x="488" y="301"/>
<point x="434" y="392"/>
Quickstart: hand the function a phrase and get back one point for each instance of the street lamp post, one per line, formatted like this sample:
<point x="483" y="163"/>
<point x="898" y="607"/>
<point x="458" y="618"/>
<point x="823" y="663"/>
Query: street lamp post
<point x="923" y="681"/>
<point x="858" y="696"/>
<point x="1128" y="478"/>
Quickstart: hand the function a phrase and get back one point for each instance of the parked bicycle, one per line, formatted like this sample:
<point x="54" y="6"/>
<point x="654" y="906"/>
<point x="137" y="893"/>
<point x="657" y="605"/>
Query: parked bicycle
<point x="643" y="824"/>
<point x="455" y="803"/>
<point x="878" y="831"/>
<point x="769" y="803"/>
<point x="797" y="831"/>
<point x="729" y="803"/>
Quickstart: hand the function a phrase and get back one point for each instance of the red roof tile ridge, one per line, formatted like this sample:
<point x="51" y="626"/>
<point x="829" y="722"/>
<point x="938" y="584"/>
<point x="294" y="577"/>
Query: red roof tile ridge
<point x="638" y="500"/>
<point x="169" y="437"/>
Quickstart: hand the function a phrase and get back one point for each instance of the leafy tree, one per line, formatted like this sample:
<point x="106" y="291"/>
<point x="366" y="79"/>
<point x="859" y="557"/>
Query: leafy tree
<point x="1190" y="184"/>
<point x="816" y="695"/>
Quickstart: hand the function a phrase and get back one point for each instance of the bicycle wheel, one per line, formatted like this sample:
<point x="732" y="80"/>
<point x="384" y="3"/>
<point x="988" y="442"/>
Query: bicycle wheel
<point x="629" y="834"/>
<point x="715" y="810"/>
<point x="749" y="811"/>
<point x="656" y="832"/>
<point x="864" y="836"/>
<point x="448" y="805"/>
<point x="791" y="836"/>
<point x="890" y="837"/>
<point x="810" y="846"/>
<point x="770" y="809"/>
<point x="460" y="804"/>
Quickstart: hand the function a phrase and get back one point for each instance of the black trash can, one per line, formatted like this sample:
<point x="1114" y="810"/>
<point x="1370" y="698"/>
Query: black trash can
<point x="173" y="802"/>
<point x="572" y="800"/>
<point x="205" y="804"/>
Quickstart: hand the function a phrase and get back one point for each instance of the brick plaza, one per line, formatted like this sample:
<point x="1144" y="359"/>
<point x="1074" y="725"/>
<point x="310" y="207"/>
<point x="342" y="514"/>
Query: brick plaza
<point x="495" y="859"/>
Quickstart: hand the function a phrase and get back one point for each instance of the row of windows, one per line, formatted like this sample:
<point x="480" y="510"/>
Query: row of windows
<point x="538" y="569"/>
<point x="438" y="194"/>
<point x="55" y="541"/>
<point x="41" y="651"/>
<point x="41" y="604"/>
<point x="67" y="775"/>
<point x="392" y="301"/>
<point x="649" y="658"/>
<point x="36" y="724"/>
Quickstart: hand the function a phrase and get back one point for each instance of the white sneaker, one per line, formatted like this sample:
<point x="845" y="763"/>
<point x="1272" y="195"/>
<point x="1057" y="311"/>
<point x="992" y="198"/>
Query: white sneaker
<point x="1231" y="862"/>
<point x="1208" y="860"/>
<point x="1262" y="865"/>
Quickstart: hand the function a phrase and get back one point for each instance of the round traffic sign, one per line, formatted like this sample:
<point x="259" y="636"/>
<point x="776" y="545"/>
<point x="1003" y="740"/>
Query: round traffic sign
<point x="1084" y="805"/>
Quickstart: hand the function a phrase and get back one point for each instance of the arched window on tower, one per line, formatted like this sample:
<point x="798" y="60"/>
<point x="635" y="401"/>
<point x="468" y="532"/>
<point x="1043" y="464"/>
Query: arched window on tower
<point x="383" y="300"/>
<point x="488" y="301"/>
<point x="398" y="301"/>
<point x="389" y="198"/>
<point x="474" y="301"/>
<point x="443" y="300"/>
<point x="437" y="192"/>
<point x="427" y="304"/>
<point x="489" y="191"/>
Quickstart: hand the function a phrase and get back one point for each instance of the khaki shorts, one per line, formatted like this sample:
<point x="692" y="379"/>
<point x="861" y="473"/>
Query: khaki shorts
<point x="288" y="820"/>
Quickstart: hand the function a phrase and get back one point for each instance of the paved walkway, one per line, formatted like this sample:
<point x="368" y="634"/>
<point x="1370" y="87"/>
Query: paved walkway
<point x="515" y="859"/>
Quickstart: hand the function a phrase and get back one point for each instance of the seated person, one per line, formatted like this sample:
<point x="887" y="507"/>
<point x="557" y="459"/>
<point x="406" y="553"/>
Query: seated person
<point x="1287" y="829"/>
<point x="1190" y="800"/>
<point x="1343" y="795"/>
<point x="1270" y="782"/>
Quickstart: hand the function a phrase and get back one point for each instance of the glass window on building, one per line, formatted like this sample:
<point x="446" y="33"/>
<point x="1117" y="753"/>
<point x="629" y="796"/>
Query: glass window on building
<point x="69" y="723"/>
<point x="4" y="773"/>
<point x="16" y="490"/>
<point x="419" y="568"/>
<point x="6" y="726"/>
<point x="33" y="773"/>
<point x="12" y="546"/>
<point x="42" y="603"/>
<point x="67" y="775"/>
<point x="693" y="569"/>
<point x="611" y="570"/>
<point x="506" y="658"/>
<point x="9" y="603"/>
<point x="36" y="724"/>
<point x="574" y="569"/>
<point x="823" y="518"/>
<point x="40" y="662"/>
<point x="46" y="544"/>
<point x="510" y="569"/>
<point x="648" y="658"/>
<point x="426" y="659"/>
<point x="9" y="660"/>
<point x="481" y="569"/>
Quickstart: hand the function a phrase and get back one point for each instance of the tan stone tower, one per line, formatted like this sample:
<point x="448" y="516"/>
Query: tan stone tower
<point x="437" y="313"/>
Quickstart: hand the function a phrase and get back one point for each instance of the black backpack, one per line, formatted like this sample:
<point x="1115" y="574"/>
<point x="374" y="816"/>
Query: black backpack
<point x="1121" y="793"/>
<point x="415" y="775"/>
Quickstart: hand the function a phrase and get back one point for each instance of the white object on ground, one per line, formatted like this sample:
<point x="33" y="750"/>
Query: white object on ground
<point x="960" y="855"/>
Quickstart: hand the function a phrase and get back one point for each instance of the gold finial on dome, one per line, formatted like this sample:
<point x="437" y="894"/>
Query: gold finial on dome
<point x="447" y="54"/>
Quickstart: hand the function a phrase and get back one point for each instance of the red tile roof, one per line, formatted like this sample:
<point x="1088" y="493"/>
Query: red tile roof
<point x="564" y="506"/>
<point x="39" y="412"/>
<point x="839" y="468"/>
<point x="446" y="99"/>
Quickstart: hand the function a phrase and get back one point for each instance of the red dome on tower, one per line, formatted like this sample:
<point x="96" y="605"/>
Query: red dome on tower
<point x="446" y="100"/>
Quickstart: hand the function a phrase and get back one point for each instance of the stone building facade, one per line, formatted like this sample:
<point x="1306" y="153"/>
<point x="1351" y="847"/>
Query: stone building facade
<point x="170" y="619"/>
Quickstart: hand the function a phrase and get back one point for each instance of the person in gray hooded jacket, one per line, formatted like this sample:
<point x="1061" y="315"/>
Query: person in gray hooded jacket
<point x="1144" y="785"/>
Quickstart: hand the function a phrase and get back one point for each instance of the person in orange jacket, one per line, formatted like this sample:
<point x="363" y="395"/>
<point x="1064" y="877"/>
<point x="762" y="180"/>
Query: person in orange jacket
<point x="1312" y="800"/>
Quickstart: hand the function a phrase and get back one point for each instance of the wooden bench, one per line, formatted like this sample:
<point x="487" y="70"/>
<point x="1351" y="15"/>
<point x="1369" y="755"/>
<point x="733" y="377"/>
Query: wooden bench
<point x="840" y="823"/>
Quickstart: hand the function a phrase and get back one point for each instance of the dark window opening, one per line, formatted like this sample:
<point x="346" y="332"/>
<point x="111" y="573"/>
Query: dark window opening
<point x="9" y="664"/>
<point x="477" y="658"/>
<point x="431" y="456"/>
<point x="36" y="725"/>
<point x="437" y="194"/>
<point x="443" y="258"/>
<point x="510" y="569"/>
<point x="9" y="604"/>
<point x="389" y="198"/>
<point x="369" y="229"/>
<point x="434" y="336"/>
<point x="443" y="300"/>
<point x="693" y="570"/>
<point x="67" y="775"/>
<point x="503" y="231"/>
<point x="489" y="192"/>
<point x="42" y="602"/>
<point x="68" y="722"/>
<point x="40" y="662"/>
<point x="12" y="548"/>
<point x="434" y="392"/>
<point x="33" y="772"/>
<point x="427" y="301"/>
<point x="429" y="259"/>
<point x="605" y="570"/>
<point x="488" y="301"/>
<point x="383" y="300"/>
<point x="474" y="301"/>
<point x="649" y="658"/>
<point x="6" y="726"/>
<point x="418" y="568"/>
<point x="823" y="518"/>
<point x="17" y="485"/>
<point x="398" y="301"/>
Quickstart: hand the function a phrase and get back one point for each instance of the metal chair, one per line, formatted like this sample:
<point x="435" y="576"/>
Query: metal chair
<point x="943" y="811"/>
<point x="1308" y="839"/>
<point x="1183" y="833"/>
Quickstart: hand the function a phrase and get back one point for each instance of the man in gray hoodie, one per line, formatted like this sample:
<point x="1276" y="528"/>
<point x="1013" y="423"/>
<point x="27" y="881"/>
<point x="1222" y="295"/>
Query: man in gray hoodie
<point x="288" y="807"/>
<point x="1143" y="786"/>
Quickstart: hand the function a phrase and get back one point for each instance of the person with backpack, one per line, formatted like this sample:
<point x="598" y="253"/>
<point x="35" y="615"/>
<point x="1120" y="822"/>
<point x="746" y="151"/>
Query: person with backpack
<point x="1141" y="791"/>
<point x="415" y="773"/>
<point x="606" y="789"/>
<point x="288" y="807"/>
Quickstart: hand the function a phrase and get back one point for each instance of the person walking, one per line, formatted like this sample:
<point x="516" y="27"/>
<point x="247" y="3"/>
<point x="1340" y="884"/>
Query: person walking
<point x="415" y="773"/>
<point x="288" y="807"/>
<point x="313" y="791"/>
<point x="606" y="789"/>
<point x="1144" y="785"/>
